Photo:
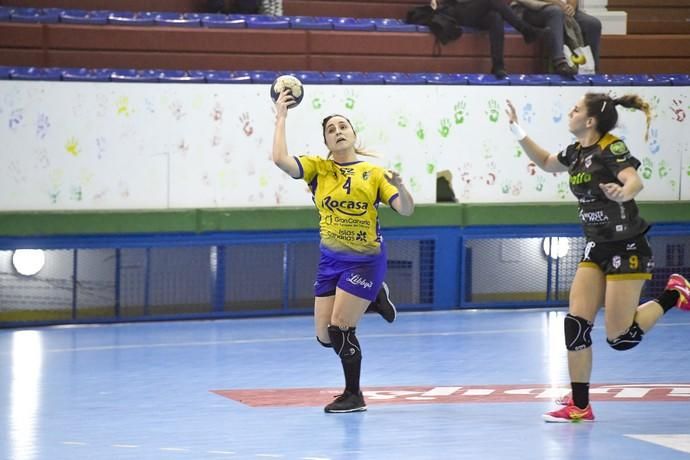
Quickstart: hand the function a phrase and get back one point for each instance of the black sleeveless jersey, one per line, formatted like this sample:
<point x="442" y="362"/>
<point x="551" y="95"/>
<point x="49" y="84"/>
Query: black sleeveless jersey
<point x="602" y="219"/>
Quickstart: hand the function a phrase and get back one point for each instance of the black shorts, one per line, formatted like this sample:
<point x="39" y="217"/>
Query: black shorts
<point x="625" y="259"/>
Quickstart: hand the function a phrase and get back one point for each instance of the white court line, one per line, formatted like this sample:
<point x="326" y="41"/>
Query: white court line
<point x="222" y="452"/>
<point x="74" y="443"/>
<point x="315" y="458"/>
<point x="270" y="455"/>
<point x="125" y="446"/>
<point x="680" y="442"/>
<point x="273" y="340"/>
<point x="173" y="449"/>
<point x="305" y="339"/>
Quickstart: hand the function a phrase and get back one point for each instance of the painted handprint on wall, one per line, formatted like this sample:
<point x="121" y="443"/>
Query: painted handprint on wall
<point x="557" y="112"/>
<point x="678" y="110"/>
<point x="72" y="146"/>
<point x="493" y="111"/>
<point x="663" y="169"/>
<point x="122" y="106"/>
<point x="562" y="190"/>
<point x="16" y="118"/>
<point x="540" y="183"/>
<point x="246" y="123"/>
<point x="75" y="193"/>
<point x="350" y="99"/>
<point x="444" y="128"/>
<point x="516" y="189"/>
<point x="101" y="145"/>
<point x="654" y="146"/>
<point x="177" y="110"/>
<point x="460" y="112"/>
<point x="42" y="125"/>
<point x="217" y="112"/>
<point x="647" y="168"/>
<point x="528" y="112"/>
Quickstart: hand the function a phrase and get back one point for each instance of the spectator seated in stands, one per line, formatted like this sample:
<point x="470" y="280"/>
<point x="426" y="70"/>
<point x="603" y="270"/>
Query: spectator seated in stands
<point x="557" y="16"/>
<point x="488" y="15"/>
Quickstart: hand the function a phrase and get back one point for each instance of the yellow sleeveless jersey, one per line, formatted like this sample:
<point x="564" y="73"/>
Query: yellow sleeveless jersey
<point x="347" y="198"/>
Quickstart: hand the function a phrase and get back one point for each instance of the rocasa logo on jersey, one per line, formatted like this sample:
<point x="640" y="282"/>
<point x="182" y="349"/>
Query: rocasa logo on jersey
<point x="580" y="178"/>
<point x="348" y="207"/>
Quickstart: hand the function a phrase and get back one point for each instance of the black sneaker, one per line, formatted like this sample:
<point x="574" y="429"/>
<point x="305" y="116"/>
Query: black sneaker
<point x="500" y="73"/>
<point x="347" y="402"/>
<point x="562" y="68"/>
<point x="383" y="304"/>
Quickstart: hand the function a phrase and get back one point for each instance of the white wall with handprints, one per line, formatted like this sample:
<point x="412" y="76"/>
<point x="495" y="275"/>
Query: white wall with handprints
<point x="87" y="146"/>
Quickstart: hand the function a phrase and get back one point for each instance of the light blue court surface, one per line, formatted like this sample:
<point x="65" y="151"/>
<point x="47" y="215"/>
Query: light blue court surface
<point x="447" y="385"/>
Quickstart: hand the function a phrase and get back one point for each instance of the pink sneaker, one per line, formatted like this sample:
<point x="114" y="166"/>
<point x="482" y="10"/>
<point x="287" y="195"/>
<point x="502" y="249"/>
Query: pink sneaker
<point x="571" y="413"/>
<point x="679" y="283"/>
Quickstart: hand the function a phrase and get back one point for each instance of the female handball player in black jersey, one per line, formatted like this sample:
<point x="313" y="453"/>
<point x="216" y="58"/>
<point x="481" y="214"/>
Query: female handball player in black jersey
<point x="617" y="258"/>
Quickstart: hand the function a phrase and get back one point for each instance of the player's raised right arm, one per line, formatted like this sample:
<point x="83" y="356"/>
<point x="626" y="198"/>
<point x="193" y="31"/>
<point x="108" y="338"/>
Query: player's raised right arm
<point x="280" y="155"/>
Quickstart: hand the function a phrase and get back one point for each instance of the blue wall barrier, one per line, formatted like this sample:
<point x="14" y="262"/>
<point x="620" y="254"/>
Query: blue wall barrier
<point x="238" y="274"/>
<point x="330" y="78"/>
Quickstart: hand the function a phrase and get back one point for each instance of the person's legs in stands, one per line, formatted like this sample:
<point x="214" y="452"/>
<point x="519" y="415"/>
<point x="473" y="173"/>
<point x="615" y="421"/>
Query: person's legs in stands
<point x="591" y="31"/>
<point x="478" y="14"/>
<point x="469" y="14"/>
<point x="552" y="18"/>
<point x="528" y="31"/>
<point x="493" y="22"/>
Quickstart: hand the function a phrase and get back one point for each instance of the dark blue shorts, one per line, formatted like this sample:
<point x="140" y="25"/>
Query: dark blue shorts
<point x="358" y="275"/>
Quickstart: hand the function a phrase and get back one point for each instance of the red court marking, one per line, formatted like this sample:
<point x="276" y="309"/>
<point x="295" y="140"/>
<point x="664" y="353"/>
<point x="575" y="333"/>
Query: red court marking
<point x="306" y="397"/>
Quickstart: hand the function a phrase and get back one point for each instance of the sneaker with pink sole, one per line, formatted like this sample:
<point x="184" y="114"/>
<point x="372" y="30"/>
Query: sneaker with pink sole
<point x="570" y="414"/>
<point x="678" y="283"/>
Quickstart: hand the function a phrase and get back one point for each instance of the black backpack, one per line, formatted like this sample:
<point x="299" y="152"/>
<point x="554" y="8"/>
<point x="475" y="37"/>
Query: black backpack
<point x="444" y="27"/>
<point x="233" y="6"/>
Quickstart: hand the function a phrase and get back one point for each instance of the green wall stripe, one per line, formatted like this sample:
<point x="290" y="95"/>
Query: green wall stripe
<point x="44" y="223"/>
<point x="96" y="222"/>
<point x="285" y="218"/>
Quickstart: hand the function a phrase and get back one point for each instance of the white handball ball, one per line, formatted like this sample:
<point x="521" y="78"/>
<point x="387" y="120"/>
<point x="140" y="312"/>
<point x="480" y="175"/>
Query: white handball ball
<point x="290" y="83"/>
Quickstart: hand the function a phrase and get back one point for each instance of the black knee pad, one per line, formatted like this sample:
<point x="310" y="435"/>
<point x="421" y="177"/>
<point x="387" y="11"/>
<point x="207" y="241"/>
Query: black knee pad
<point x="345" y="343"/>
<point x="324" y="344"/>
<point x="577" y="332"/>
<point x="629" y="339"/>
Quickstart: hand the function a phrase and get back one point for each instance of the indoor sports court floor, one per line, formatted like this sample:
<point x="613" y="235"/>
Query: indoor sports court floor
<point x="440" y="385"/>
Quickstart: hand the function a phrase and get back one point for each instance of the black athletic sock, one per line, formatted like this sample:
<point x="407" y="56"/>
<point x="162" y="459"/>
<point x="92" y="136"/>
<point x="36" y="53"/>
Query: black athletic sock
<point x="352" y="372"/>
<point x="347" y="347"/>
<point x="668" y="299"/>
<point x="580" y="394"/>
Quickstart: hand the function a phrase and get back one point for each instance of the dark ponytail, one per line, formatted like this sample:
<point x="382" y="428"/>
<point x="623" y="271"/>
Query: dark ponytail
<point x="602" y="107"/>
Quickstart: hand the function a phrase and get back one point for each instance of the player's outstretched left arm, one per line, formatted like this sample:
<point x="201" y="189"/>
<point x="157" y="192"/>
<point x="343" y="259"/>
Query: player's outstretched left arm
<point x="403" y="203"/>
<point x="632" y="185"/>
